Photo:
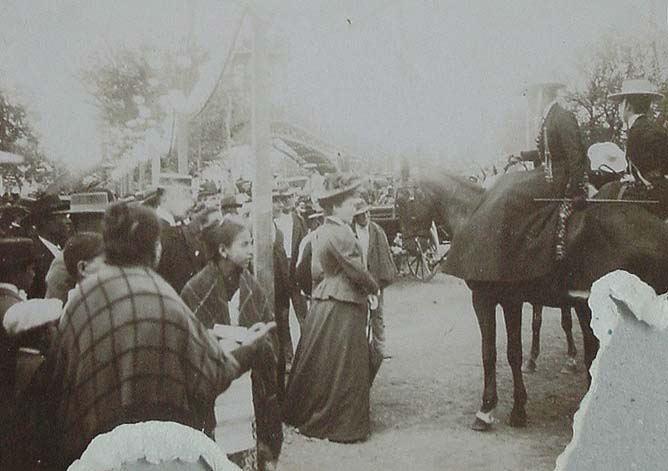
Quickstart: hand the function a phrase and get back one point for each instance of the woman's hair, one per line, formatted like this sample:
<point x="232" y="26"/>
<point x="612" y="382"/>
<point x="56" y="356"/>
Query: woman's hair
<point x="130" y="235"/>
<point x="222" y="234"/>
<point x="83" y="246"/>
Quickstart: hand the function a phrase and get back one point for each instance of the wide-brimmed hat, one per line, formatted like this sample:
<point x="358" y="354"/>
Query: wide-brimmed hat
<point x="361" y="207"/>
<point x="337" y="185"/>
<point x="87" y="203"/>
<point x="16" y="250"/>
<point x="636" y="87"/>
<point x="229" y="201"/>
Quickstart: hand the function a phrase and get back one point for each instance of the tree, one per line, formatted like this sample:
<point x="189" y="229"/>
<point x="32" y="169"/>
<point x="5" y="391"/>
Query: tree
<point x="17" y="136"/>
<point x="134" y="90"/>
<point x="614" y="60"/>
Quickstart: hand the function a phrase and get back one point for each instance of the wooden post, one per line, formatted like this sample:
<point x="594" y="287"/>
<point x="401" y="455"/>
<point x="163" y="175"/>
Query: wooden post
<point x="262" y="178"/>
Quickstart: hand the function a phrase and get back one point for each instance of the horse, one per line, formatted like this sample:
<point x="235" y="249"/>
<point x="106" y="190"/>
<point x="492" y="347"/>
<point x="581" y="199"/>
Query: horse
<point x="530" y="364"/>
<point x="600" y="239"/>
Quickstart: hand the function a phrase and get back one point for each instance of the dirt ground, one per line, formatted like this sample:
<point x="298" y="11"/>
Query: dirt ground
<point x="425" y="397"/>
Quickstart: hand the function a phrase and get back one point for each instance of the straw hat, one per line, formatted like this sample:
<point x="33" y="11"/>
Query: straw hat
<point x="87" y="203"/>
<point x="636" y="87"/>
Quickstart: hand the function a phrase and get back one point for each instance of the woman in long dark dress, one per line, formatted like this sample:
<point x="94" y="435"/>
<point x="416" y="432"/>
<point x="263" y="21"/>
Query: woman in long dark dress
<point x="328" y="390"/>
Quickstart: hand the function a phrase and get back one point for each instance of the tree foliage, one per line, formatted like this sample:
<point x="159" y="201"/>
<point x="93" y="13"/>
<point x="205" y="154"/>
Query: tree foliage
<point x="614" y="60"/>
<point x="18" y="136"/>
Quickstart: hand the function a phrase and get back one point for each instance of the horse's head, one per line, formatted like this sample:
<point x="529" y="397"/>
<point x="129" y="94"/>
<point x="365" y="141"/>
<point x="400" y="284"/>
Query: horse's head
<point x="438" y="196"/>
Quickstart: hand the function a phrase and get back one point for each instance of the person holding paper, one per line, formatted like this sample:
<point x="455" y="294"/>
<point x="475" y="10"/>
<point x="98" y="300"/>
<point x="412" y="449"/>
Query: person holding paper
<point x="129" y="350"/>
<point x="225" y="293"/>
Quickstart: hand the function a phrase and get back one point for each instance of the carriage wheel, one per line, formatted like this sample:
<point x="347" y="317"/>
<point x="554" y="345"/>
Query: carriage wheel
<point x="418" y="261"/>
<point x="424" y="260"/>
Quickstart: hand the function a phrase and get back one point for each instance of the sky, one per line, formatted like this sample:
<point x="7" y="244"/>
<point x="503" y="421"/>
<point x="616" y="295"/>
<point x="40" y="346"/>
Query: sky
<point x="388" y="76"/>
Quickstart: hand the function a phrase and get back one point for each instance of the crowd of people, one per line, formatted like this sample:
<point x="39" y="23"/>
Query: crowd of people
<point x="152" y="311"/>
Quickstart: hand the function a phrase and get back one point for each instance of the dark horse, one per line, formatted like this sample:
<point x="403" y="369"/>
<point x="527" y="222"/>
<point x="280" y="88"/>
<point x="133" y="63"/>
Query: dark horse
<point x="600" y="239"/>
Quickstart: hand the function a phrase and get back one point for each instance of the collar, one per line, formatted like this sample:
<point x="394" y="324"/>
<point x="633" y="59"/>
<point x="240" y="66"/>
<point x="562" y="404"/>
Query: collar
<point x="633" y="119"/>
<point x="165" y="215"/>
<point x="359" y="227"/>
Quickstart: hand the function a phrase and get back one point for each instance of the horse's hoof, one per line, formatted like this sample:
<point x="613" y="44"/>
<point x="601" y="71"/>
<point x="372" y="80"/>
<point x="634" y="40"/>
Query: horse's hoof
<point x="518" y="418"/>
<point x="483" y="421"/>
<point x="480" y="425"/>
<point x="570" y="367"/>
<point x="529" y="366"/>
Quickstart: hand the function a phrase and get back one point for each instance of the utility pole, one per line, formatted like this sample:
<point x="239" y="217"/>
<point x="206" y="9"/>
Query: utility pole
<point x="261" y="144"/>
<point x="183" y="116"/>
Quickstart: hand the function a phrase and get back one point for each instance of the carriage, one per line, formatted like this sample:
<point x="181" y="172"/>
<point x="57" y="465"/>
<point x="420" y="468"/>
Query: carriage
<point x="415" y="251"/>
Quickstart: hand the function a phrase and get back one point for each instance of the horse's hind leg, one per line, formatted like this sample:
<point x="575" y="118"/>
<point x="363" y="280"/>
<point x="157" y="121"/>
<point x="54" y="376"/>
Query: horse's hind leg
<point x="567" y="325"/>
<point x="512" y="313"/>
<point x="485" y="311"/>
<point x="529" y="365"/>
<point x="589" y="339"/>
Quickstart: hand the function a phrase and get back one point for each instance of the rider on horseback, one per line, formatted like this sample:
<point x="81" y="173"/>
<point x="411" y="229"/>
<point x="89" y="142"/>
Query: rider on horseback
<point x="511" y="236"/>
<point x="646" y="146"/>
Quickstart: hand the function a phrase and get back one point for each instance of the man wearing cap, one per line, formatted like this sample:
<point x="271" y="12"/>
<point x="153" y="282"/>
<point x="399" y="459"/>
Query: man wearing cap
<point x="646" y="145"/>
<point x="378" y="259"/>
<point x="182" y="256"/>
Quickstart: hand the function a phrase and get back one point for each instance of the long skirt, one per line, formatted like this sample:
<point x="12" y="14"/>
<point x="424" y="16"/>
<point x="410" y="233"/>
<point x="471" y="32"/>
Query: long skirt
<point x="328" y="390"/>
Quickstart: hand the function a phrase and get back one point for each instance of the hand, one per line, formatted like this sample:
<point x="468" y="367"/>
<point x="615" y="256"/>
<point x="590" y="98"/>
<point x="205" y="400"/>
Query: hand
<point x="257" y="333"/>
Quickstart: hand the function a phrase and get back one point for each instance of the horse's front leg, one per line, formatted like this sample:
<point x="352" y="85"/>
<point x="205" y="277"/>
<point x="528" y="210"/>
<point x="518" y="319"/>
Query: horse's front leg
<point x="512" y="313"/>
<point x="570" y="366"/>
<point x="529" y="365"/>
<point x="589" y="339"/>
<point x="485" y="311"/>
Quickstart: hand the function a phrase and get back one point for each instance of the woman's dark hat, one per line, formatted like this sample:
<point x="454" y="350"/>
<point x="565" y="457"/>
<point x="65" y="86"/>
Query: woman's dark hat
<point x="337" y="185"/>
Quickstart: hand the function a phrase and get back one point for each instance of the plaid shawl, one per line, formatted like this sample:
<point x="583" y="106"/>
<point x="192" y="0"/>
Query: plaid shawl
<point x="130" y="350"/>
<point x="206" y="294"/>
